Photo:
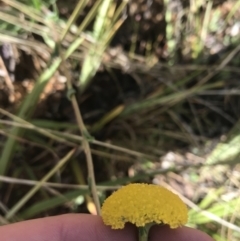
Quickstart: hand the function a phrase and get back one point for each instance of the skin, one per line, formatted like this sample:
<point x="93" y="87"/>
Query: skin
<point x="85" y="227"/>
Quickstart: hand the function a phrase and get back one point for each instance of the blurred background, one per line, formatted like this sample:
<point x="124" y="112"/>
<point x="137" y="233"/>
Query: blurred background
<point x="99" y="94"/>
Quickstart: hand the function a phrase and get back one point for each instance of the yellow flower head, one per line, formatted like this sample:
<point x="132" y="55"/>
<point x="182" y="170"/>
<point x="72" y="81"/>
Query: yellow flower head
<point x="143" y="204"/>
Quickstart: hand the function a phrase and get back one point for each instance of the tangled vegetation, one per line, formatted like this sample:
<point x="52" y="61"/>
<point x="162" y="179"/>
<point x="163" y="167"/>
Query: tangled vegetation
<point x="99" y="94"/>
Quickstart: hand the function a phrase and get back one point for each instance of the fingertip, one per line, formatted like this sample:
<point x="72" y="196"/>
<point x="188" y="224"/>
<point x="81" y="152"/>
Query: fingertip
<point x="86" y="227"/>
<point x="68" y="227"/>
<point x="158" y="233"/>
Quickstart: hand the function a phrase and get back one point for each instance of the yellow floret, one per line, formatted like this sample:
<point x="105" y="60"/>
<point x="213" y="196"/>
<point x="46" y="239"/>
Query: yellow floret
<point x="142" y="204"/>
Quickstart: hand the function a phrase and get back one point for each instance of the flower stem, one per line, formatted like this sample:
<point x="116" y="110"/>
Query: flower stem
<point x="143" y="232"/>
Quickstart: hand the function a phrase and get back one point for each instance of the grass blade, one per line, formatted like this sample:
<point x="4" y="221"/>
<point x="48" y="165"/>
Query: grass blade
<point x="21" y="202"/>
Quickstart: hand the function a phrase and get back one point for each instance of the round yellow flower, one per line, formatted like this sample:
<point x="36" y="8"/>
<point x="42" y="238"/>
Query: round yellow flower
<point x="143" y="204"/>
